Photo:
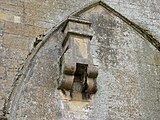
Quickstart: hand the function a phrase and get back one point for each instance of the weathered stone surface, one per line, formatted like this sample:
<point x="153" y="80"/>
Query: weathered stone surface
<point x="16" y="42"/>
<point x="2" y="101"/>
<point x="128" y="86"/>
<point x="128" y="74"/>
<point x="78" y="73"/>
<point x="23" y="29"/>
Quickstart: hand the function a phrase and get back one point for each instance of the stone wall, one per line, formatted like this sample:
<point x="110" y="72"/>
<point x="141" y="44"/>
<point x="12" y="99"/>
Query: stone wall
<point x="21" y="21"/>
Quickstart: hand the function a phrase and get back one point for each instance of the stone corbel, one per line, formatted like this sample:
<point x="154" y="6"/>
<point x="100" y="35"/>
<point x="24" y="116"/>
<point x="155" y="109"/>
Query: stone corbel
<point x="78" y="73"/>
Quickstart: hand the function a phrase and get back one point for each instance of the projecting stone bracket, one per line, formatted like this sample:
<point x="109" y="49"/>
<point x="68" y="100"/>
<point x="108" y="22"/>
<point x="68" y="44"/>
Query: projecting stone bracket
<point x="78" y="73"/>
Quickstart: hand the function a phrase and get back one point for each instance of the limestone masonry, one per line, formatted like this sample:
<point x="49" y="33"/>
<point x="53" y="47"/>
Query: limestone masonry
<point x="79" y="60"/>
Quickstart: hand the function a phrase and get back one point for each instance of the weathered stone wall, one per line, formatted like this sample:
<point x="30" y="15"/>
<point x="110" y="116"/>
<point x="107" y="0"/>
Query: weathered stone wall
<point x="21" y="21"/>
<point x="124" y="59"/>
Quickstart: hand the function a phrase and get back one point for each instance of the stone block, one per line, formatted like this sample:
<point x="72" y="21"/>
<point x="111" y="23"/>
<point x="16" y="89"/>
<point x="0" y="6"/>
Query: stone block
<point x="30" y="30"/>
<point x="16" y="42"/>
<point x="44" y="24"/>
<point x="12" y="3"/>
<point x="14" y="28"/>
<point x="32" y="5"/>
<point x="16" y="55"/>
<point x="82" y="49"/>
<point x="5" y="16"/>
<point x="11" y="9"/>
<point x="17" y="19"/>
<point x="34" y="15"/>
<point x="78" y="26"/>
<point x="10" y="17"/>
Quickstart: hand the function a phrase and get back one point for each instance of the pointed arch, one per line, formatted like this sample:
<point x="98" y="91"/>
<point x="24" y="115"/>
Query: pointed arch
<point x="25" y="68"/>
